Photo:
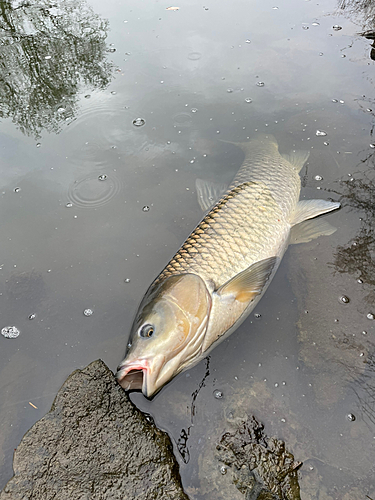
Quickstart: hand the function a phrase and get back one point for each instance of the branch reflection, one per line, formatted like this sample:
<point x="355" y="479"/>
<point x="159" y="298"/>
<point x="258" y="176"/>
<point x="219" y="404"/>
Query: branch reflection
<point x="48" y="52"/>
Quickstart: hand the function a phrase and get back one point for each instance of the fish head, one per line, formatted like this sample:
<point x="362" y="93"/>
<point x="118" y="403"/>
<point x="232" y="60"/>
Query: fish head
<point x="167" y="333"/>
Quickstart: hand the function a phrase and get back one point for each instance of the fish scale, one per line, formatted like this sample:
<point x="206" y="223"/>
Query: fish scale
<point x="245" y="226"/>
<point x="224" y="267"/>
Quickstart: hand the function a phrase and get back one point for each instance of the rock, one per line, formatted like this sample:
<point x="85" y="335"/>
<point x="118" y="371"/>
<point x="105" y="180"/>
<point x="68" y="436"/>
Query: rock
<point x="262" y="469"/>
<point x="94" y="444"/>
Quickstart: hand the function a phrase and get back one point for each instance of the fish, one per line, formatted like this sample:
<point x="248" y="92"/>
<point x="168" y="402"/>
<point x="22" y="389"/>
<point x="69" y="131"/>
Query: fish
<point x="224" y="267"/>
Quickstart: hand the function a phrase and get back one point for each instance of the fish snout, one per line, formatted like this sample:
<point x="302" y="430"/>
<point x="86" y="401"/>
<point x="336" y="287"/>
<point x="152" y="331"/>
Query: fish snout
<point x="131" y="375"/>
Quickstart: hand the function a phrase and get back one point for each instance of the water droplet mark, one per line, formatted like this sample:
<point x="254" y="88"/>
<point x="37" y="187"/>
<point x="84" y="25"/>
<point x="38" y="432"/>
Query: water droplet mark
<point x="127" y="280"/>
<point x="344" y="299"/>
<point x="10" y="332"/>
<point x="248" y="100"/>
<point x="218" y="394"/>
<point x="139" y="122"/>
<point x="318" y="178"/>
<point x="260" y="84"/>
<point x="146" y="208"/>
<point x="91" y="191"/>
<point x="321" y="133"/>
<point x="88" y="312"/>
<point x="370" y="316"/>
<point x="17" y="189"/>
<point x="32" y="316"/>
<point x="350" y="417"/>
<point x="336" y="27"/>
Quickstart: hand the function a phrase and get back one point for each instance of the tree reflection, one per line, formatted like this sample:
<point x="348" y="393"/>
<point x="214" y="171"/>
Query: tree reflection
<point x="358" y="255"/>
<point x="48" y="50"/>
<point x="362" y="12"/>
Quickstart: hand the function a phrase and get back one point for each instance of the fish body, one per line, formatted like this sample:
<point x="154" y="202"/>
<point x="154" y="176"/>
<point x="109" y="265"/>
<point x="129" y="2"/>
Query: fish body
<point x="223" y="268"/>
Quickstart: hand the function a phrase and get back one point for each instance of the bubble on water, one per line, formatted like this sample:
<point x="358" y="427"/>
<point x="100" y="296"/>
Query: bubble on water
<point x="113" y="92"/>
<point x="321" y="54"/>
<point x="275" y="8"/>
<point x="248" y="100"/>
<point x="276" y="384"/>
<point x="61" y="110"/>
<point x="48" y="57"/>
<point x="139" y="122"/>
<point x="318" y="178"/>
<point x="350" y="417"/>
<point x="370" y="316"/>
<point x="218" y="394"/>
<point x="248" y="41"/>
<point x="315" y="24"/>
<point x="341" y="101"/>
<point x="326" y="143"/>
<point x="364" y="332"/>
<point x="112" y="49"/>
<point x="229" y="90"/>
<point x="321" y="133"/>
<point x="344" y="299"/>
<point x="10" y="332"/>
<point x="194" y="56"/>
<point x="260" y="84"/>
<point x="17" y="189"/>
<point x="223" y="470"/>
<point x="283" y="420"/>
<point x="87" y="96"/>
<point x="127" y="280"/>
<point x="32" y="316"/>
<point x="194" y="110"/>
<point x="146" y="208"/>
<point x="305" y="27"/>
<point x="283" y="382"/>
<point x="335" y="100"/>
<point x="359" y="281"/>
<point x="93" y="190"/>
<point x="369" y="110"/>
<point x="192" y="161"/>
<point x="88" y="312"/>
<point x="128" y="345"/>
<point x="372" y="146"/>
<point x="336" y="27"/>
<point x="38" y="144"/>
<point x="257" y="315"/>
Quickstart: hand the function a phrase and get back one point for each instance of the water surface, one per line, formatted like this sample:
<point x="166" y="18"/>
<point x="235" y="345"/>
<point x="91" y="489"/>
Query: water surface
<point x="76" y="174"/>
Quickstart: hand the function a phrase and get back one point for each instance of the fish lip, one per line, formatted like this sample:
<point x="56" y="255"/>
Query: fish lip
<point x="124" y="369"/>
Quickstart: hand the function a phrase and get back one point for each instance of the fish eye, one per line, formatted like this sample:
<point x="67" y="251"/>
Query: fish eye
<point x="146" y="331"/>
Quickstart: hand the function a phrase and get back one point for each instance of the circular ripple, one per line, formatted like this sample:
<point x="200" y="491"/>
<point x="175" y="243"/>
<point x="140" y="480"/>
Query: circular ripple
<point x="92" y="191"/>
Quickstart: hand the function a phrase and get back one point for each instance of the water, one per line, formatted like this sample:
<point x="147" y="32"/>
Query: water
<point x="68" y="119"/>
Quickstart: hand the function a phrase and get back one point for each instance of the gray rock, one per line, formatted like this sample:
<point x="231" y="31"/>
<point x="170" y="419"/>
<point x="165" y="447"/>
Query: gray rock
<point x="94" y="444"/>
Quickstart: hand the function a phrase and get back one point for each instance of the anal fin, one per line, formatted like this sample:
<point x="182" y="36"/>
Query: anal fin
<point x="246" y="285"/>
<point x="310" y="230"/>
<point x="308" y="209"/>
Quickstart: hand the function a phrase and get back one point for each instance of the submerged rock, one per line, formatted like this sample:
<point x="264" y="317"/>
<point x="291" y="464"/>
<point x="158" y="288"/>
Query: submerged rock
<point x="262" y="469"/>
<point x="94" y="444"/>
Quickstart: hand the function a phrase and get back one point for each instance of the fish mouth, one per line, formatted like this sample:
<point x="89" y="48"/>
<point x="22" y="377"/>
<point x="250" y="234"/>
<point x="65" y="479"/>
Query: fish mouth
<point x="132" y="377"/>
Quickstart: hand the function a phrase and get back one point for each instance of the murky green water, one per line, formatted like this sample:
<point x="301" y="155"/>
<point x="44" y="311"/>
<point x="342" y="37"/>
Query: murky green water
<point x="76" y="174"/>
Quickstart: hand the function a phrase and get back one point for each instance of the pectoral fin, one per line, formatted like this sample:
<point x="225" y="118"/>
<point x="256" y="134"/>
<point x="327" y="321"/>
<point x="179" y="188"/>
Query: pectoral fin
<point x="308" y="209"/>
<point x="246" y="285"/>
<point x="309" y="230"/>
<point x="209" y="193"/>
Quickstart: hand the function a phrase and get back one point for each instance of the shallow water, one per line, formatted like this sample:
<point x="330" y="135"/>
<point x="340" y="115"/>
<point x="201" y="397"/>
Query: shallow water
<point x="76" y="174"/>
